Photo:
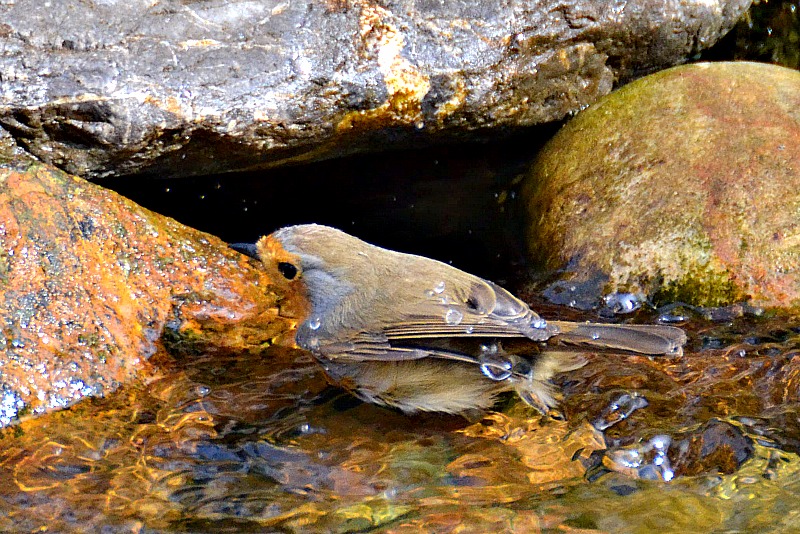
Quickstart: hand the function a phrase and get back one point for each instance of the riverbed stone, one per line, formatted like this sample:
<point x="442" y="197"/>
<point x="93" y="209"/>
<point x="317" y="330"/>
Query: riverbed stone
<point x="94" y="289"/>
<point x="681" y="186"/>
<point x="176" y="88"/>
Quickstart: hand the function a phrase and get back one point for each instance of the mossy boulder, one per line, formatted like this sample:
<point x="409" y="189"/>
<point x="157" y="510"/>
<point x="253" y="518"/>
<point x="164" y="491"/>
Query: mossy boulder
<point x="684" y="185"/>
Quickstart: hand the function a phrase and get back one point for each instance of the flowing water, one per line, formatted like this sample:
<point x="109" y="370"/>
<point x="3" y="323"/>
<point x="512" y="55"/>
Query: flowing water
<point x="225" y="443"/>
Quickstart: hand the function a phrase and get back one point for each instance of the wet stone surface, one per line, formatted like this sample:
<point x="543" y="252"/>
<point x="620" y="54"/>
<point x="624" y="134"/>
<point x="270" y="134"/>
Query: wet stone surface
<point x="94" y="289"/>
<point x="179" y="88"/>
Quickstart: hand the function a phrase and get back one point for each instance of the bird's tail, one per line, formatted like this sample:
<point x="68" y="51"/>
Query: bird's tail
<point x="644" y="339"/>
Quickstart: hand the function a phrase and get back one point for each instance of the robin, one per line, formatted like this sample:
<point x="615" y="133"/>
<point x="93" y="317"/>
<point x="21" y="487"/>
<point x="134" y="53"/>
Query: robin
<point x="417" y="334"/>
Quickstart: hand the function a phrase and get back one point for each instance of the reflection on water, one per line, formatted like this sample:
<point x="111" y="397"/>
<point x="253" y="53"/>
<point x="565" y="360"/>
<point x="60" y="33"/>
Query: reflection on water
<point x="225" y="443"/>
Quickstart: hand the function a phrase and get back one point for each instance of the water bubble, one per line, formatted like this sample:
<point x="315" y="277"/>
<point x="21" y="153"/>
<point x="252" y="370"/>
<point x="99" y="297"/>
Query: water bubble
<point x="595" y="335"/>
<point x="453" y="316"/>
<point x="628" y="457"/>
<point x="661" y="442"/>
<point x="439" y="288"/>
<point x="623" y="302"/>
<point x="619" y="409"/>
<point x="668" y="474"/>
<point x="315" y="323"/>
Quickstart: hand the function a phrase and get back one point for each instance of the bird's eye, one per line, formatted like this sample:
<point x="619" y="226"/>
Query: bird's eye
<point x="288" y="270"/>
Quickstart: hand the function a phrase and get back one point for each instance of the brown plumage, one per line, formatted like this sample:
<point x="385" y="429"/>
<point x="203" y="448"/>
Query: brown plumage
<point x="417" y="334"/>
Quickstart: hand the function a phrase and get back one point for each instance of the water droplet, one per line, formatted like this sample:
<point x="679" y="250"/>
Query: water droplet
<point x="453" y="316"/>
<point x="494" y="363"/>
<point x="496" y="372"/>
<point x="538" y="323"/>
<point x="470" y="329"/>
<point x="595" y="334"/>
<point x="672" y="318"/>
<point x="314" y="323"/>
<point x="439" y="288"/>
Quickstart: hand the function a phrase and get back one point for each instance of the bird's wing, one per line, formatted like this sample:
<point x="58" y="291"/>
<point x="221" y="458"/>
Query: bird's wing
<point x="364" y="346"/>
<point x="477" y="309"/>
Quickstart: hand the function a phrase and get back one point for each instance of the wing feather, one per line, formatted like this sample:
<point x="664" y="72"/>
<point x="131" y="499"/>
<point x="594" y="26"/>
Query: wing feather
<point x="475" y="308"/>
<point x="370" y="347"/>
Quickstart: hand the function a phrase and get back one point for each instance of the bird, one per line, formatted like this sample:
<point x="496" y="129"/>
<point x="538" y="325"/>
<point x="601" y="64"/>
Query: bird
<point x="419" y="335"/>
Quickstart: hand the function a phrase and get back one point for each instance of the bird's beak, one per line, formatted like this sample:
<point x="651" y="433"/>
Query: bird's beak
<point x="248" y="249"/>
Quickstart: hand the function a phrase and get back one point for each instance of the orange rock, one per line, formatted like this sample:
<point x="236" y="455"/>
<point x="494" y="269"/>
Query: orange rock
<point x="90" y="280"/>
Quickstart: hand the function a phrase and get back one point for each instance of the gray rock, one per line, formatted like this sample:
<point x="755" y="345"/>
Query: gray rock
<point x="185" y="87"/>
